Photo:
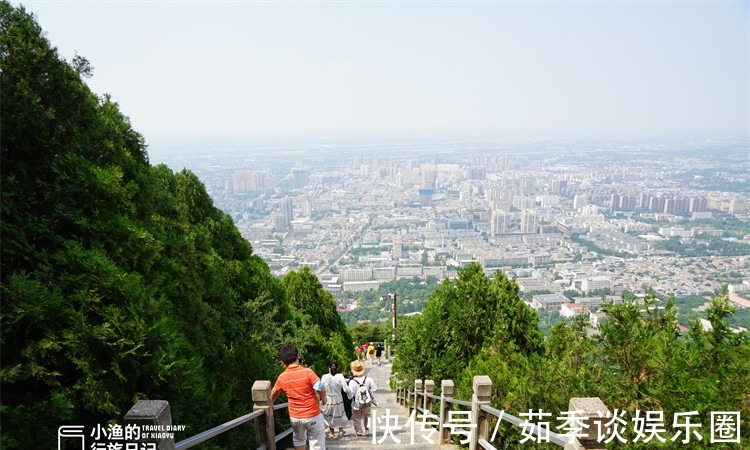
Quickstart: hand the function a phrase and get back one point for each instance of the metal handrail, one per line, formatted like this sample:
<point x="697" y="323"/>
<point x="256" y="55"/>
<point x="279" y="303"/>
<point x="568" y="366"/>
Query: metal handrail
<point x="554" y="438"/>
<point x="208" y="434"/>
<point x="486" y="445"/>
<point x="283" y="434"/>
<point x="213" y="432"/>
<point x="458" y="402"/>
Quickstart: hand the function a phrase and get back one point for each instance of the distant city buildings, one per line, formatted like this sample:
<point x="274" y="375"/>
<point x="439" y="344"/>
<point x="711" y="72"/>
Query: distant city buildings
<point x="528" y="221"/>
<point x="554" y="224"/>
<point x="248" y="181"/>
<point x="286" y="214"/>
<point x="299" y="177"/>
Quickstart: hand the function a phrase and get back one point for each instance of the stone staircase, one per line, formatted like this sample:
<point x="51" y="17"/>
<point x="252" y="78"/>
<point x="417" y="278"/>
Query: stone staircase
<point x="386" y="439"/>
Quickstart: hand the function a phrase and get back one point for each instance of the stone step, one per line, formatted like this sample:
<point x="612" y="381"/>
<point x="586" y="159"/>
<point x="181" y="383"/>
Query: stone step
<point x="386" y="399"/>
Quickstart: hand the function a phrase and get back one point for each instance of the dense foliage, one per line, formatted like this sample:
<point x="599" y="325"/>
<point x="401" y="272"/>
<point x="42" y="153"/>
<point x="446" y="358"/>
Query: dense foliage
<point x="412" y="295"/>
<point x="121" y="281"/>
<point x="368" y="332"/>
<point x="703" y="245"/>
<point x="638" y="360"/>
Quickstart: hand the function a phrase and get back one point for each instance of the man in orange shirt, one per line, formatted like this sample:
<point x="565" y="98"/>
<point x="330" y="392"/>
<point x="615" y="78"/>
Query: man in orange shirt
<point x="300" y="384"/>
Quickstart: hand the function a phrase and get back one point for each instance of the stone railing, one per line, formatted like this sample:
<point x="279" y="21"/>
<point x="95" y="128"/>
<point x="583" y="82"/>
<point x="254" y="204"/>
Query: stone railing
<point x="157" y="412"/>
<point x="421" y="398"/>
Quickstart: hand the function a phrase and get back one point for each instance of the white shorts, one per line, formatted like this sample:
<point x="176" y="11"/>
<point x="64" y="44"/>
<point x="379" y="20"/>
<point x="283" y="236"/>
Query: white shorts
<point x="311" y="428"/>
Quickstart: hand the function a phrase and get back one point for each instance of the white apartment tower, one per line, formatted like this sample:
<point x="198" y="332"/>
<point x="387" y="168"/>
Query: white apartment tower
<point x="528" y="221"/>
<point x="498" y="222"/>
<point x="286" y="210"/>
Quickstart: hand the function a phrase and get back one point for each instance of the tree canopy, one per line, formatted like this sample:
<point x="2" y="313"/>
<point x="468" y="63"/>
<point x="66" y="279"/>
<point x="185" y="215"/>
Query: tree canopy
<point x="120" y="280"/>
<point x="636" y="360"/>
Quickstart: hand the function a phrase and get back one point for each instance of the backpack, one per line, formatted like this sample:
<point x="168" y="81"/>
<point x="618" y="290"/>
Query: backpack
<point x="363" y="397"/>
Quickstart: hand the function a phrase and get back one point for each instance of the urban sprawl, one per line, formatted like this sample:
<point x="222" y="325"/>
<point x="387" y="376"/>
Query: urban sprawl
<point x="556" y="218"/>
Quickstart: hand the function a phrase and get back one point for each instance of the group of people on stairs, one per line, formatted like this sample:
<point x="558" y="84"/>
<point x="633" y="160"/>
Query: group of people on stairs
<point x="342" y="398"/>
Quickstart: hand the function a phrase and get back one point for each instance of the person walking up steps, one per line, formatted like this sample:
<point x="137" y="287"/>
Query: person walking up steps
<point x="361" y="389"/>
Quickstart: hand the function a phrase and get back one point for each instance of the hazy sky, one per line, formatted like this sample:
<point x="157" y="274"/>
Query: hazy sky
<point x="414" y="68"/>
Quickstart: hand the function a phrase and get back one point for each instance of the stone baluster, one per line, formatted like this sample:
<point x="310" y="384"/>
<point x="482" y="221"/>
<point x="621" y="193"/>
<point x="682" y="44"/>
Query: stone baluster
<point x="265" y="433"/>
<point x="429" y="389"/>
<point x="446" y="393"/>
<point x="481" y="396"/>
<point x="588" y="409"/>
<point x="154" y="414"/>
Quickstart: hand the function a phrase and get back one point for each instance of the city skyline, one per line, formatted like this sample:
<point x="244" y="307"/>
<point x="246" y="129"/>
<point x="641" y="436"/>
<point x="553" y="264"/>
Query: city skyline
<point x="249" y="69"/>
<point x="570" y="220"/>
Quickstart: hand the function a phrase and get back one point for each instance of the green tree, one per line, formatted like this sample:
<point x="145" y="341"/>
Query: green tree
<point x="332" y="341"/>
<point x="366" y="332"/>
<point x="462" y="315"/>
<point x="121" y="281"/>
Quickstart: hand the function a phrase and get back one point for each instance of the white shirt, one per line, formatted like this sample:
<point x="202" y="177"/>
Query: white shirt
<point x="356" y="382"/>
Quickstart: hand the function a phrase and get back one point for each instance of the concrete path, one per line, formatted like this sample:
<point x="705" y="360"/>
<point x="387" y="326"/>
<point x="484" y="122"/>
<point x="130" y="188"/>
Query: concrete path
<point x="387" y="405"/>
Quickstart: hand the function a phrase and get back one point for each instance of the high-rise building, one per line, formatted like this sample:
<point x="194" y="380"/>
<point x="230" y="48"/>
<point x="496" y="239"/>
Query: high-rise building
<point x="737" y="206"/>
<point x="308" y="207"/>
<point x="425" y="197"/>
<point x="247" y="181"/>
<point x="614" y="201"/>
<point x="627" y="202"/>
<point x="299" y="177"/>
<point x="429" y="179"/>
<point x="476" y="173"/>
<point x="643" y="200"/>
<point x="698" y="204"/>
<point x="523" y="202"/>
<point x="559" y="187"/>
<point x="528" y="221"/>
<point x="528" y="186"/>
<point x="286" y="211"/>
<point x="656" y="204"/>
<point x="498" y="222"/>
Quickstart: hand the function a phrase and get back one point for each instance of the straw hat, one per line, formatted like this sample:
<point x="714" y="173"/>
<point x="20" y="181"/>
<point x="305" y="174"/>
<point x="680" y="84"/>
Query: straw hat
<point x="357" y="368"/>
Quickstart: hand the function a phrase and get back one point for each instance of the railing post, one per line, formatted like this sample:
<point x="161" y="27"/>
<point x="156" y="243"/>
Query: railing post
<point x="152" y="413"/>
<point x="429" y="389"/>
<point x="481" y="396"/>
<point x="588" y="409"/>
<point x="417" y="390"/>
<point x="446" y="392"/>
<point x="400" y="392"/>
<point x="265" y="433"/>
